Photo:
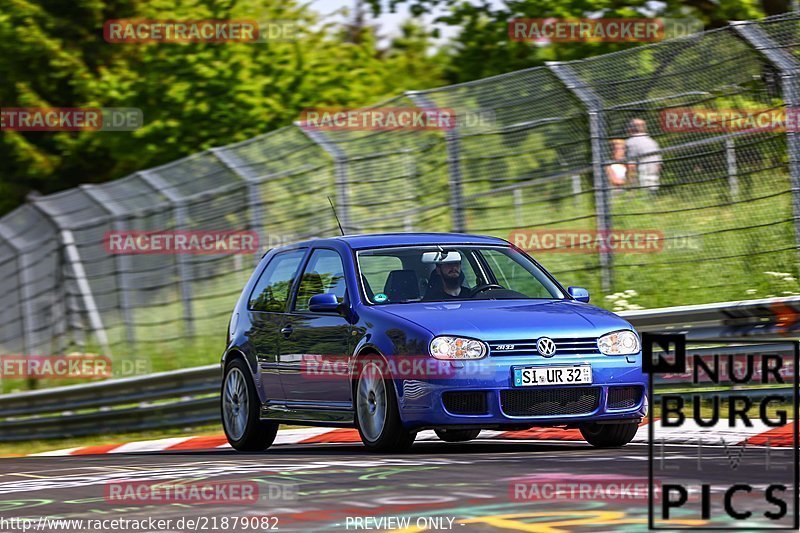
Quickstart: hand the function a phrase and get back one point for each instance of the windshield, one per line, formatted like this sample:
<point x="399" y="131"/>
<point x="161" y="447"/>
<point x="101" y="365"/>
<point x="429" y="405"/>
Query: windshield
<point x="451" y="272"/>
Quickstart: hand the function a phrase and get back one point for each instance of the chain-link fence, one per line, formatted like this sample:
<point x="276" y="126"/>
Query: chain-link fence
<point x="532" y="152"/>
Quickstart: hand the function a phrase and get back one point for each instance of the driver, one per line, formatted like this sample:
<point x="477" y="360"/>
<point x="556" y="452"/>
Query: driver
<point x="446" y="280"/>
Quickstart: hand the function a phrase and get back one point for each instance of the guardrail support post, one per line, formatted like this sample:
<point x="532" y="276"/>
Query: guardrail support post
<point x="157" y="183"/>
<point x="594" y="106"/>
<point x="340" y="169"/>
<point x="453" y="144"/>
<point x="789" y="69"/>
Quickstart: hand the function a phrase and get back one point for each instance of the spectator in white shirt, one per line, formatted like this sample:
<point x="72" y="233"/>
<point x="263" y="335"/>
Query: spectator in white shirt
<point x="644" y="160"/>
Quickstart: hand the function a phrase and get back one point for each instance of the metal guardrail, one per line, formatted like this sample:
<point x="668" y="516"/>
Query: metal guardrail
<point x="186" y="398"/>
<point x="778" y="317"/>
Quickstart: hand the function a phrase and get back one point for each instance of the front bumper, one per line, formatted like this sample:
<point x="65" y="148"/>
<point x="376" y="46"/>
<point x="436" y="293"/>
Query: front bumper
<point x="422" y="406"/>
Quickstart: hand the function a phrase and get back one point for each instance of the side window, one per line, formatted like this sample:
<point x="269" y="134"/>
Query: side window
<point x="324" y="274"/>
<point x="272" y="290"/>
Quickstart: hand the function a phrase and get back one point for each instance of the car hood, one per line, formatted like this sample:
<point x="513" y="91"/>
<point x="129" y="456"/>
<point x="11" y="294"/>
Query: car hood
<point x="494" y="320"/>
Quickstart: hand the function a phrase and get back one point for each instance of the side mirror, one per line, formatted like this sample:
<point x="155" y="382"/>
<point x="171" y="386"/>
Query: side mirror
<point x="324" y="303"/>
<point x="579" y="293"/>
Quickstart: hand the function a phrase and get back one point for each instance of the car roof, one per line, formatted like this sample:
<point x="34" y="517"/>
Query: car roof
<point x="374" y="240"/>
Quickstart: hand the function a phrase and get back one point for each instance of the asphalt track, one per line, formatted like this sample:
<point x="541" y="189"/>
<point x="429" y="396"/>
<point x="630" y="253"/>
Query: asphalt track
<point x="448" y="487"/>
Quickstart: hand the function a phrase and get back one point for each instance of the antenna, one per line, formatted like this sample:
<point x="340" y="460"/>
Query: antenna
<point x="335" y="215"/>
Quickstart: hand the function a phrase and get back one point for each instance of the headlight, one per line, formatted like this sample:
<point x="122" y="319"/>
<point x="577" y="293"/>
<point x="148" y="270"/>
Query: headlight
<point x="624" y="342"/>
<point x="457" y="348"/>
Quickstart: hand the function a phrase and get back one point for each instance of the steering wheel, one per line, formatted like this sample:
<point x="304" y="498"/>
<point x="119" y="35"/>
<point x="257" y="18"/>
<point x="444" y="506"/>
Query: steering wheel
<point x="485" y="287"/>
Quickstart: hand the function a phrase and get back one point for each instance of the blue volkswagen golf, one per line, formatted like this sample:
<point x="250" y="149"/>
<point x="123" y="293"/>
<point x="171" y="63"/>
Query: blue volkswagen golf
<point x="396" y="333"/>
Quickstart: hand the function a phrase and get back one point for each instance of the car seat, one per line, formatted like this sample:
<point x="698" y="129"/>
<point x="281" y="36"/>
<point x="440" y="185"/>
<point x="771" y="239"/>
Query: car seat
<point x="402" y="285"/>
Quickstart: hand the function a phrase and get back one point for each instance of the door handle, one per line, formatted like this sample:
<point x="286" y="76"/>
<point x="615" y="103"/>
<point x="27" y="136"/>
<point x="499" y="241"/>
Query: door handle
<point x="287" y="330"/>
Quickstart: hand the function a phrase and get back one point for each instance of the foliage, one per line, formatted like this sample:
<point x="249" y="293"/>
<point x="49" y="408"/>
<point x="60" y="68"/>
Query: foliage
<point x="482" y="48"/>
<point x="193" y="95"/>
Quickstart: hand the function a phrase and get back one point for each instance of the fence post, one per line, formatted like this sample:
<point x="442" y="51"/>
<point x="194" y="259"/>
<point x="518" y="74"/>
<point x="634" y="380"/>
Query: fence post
<point x="121" y="261"/>
<point x="158" y="184"/>
<point x="789" y="68"/>
<point x="453" y="144"/>
<point x="256" y="218"/>
<point x="74" y="261"/>
<point x="594" y="106"/>
<point x="340" y="169"/>
<point x="733" y="172"/>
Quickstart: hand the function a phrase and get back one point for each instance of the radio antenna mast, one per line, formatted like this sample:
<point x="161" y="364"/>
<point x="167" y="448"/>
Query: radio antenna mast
<point x="335" y="215"/>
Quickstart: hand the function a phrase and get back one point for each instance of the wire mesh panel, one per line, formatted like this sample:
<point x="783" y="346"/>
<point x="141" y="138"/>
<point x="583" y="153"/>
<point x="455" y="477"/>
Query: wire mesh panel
<point x="523" y="153"/>
<point x="388" y="178"/>
<point x="11" y="298"/>
<point x="532" y="156"/>
<point x="144" y="284"/>
<point x="90" y="289"/>
<point x="292" y="177"/>
<point x="784" y="31"/>
<point x="206" y="196"/>
<point x="718" y="195"/>
<point x="34" y="321"/>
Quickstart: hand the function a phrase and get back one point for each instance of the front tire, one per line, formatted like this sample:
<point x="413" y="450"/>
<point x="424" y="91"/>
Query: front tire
<point x="241" y="410"/>
<point x="609" y="435"/>
<point x="377" y="415"/>
<point x="457" y="435"/>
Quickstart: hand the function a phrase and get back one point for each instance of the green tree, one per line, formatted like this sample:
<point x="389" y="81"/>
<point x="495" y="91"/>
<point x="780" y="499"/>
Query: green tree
<point x="193" y="95"/>
<point x="482" y="47"/>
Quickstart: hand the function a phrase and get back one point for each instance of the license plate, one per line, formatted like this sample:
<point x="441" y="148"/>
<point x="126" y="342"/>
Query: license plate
<point x="553" y="375"/>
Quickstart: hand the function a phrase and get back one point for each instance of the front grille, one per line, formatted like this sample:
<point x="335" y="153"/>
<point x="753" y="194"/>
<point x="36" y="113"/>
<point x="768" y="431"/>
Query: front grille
<point x="550" y="402"/>
<point x="572" y="346"/>
<point x="624" y="397"/>
<point x="465" y="403"/>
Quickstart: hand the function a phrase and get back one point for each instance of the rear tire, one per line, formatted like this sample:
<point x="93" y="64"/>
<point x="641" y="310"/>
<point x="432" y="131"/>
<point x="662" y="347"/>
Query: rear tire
<point x="241" y="410"/>
<point x="377" y="415"/>
<point x="457" y="435"/>
<point x="609" y="435"/>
